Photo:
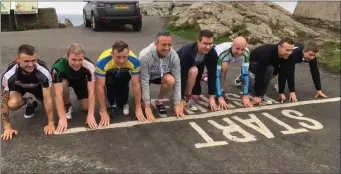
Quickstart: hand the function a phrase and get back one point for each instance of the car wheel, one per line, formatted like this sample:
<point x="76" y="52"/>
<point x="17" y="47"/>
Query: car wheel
<point x="86" y="22"/>
<point x="94" y="23"/>
<point x="137" y="26"/>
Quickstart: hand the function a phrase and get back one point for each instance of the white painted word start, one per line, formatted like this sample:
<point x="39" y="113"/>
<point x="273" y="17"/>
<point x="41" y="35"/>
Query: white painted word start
<point x="254" y="123"/>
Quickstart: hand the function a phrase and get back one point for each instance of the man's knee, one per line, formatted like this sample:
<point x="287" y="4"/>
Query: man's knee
<point x="270" y="69"/>
<point x="65" y="83"/>
<point x="14" y="104"/>
<point x="169" y="80"/>
<point x="84" y="109"/>
<point x="193" y="72"/>
<point x="84" y="104"/>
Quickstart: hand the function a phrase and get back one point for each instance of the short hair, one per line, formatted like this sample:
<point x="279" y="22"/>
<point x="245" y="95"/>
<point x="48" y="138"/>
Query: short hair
<point x="75" y="48"/>
<point x="26" y="49"/>
<point x="120" y="46"/>
<point x="205" y="33"/>
<point x="163" y="33"/>
<point x="311" y="46"/>
<point x="286" y="40"/>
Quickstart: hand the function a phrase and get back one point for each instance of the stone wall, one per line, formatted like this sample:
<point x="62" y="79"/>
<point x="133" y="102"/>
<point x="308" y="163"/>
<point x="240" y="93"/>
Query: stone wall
<point x="47" y="19"/>
<point x="320" y="10"/>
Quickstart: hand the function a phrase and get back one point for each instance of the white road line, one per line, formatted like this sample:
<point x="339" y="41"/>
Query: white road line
<point x="200" y="108"/>
<point x="189" y="112"/>
<point x="237" y="103"/>
<point x="209" y="141"/>
<point x="207" y="115"/>
<point x="231" y="106"/>
<point x="204" y="98"/>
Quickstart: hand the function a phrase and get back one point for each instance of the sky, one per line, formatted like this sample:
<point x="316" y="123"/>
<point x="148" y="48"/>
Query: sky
<point x="76" y="7"/>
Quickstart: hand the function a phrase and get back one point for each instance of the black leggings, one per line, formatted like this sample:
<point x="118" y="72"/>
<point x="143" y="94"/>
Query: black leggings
<point x="117" y="87"/>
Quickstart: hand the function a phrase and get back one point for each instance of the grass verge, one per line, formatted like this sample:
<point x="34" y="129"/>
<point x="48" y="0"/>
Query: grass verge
<point x="190" y="32"/>
<point x="329" y="57"/>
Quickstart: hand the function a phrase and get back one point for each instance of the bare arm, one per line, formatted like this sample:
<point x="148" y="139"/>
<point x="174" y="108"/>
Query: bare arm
<point x="58" y="92"/>
<point x="137" y="90"/>
<point x="48" y="104"/>
<point x="4" y="109"/>
<point x="91" y="99"/>
<point x="100" y="83"/>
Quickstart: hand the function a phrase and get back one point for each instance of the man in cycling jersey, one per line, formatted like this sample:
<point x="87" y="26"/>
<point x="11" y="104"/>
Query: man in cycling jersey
<point x="193" y="58"/>
<point x="26" y="75"/>
<point x="232" y="52"/>
<point x="76" y="71"/>
<point x="160" y="64"/>
<point x="115" y="68"/>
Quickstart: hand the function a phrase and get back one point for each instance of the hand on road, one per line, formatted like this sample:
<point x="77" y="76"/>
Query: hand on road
<point x="105" y="119"/>
<point x="256" y="100"/>
<point x="282" y="97"/>
<point x="139" y="115"/>
<point x="62" y="125"/>
<point x="320" y="94"/>
<point x="246" y="101"/>
<point x="178" y="109"/>
<point x="213" y="104"/>
<point x="222" y="103"/>
<point x="49" y="129"/>
<point x="7" y="135"/>
<point x="91" y="121"/>
<point x="149" y="113"/>
<point x="293" y="97"/>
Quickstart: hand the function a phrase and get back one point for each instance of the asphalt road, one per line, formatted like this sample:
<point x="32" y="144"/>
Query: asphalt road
<point x="290" y="138"/>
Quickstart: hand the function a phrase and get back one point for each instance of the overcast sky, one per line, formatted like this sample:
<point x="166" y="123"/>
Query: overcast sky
<point x="76" y="7"/>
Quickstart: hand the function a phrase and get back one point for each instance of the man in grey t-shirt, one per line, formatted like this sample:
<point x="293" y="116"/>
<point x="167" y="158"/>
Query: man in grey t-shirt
<point x="160" y="64"/>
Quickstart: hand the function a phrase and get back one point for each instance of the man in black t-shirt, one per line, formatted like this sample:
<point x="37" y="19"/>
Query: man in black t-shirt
<point x="30" y="75"/>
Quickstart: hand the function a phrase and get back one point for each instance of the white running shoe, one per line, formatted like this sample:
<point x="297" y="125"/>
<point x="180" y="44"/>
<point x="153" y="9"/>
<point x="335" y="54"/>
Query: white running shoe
<point x="276" y="87"/>
<point x="266" y="100"/>
<point x="126" y="109"/>
<point x="237" y="81"/>
<point x="68" y="111"/>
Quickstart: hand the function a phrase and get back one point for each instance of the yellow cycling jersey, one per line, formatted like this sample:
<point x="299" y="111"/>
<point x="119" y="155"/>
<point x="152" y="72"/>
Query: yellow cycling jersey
<point x="106" y="63"/>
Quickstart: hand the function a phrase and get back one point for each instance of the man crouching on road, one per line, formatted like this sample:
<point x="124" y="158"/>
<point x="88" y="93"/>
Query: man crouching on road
<point x="76" y="71"/>
<point x="193" y="59"/>
<point x="114" y="69"/>
<point x="26" y="74"/>
<point x="160" y="64"/>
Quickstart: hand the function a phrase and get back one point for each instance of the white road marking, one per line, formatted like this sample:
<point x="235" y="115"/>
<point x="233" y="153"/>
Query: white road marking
<point x="209" y="141"/>
<point x="298" y="116"/>
<point x="290" y="130"/>
<point x="231" y="106"/>
<point x="231" y="128"/>
<point x="238" y="103"/>
<point x="208" y="115"/>
<point x="234" y="98"/>
<point x="255" y="124"/>
<point x="200" y="108"/>
<point x="204" y="98"/>
<point x="189" y="112"/>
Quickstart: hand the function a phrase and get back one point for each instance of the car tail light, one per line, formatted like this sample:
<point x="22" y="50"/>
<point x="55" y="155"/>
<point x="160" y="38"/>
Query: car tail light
<point x="100" y="4"/>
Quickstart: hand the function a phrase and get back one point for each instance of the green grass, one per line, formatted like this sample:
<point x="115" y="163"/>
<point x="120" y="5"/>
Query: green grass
<point x="329" y="57"/>
<point x="192" y="33"/>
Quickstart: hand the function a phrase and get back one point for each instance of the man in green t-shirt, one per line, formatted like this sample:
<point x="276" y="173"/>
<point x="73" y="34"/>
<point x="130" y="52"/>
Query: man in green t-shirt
<point x="76" y="71"/>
